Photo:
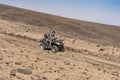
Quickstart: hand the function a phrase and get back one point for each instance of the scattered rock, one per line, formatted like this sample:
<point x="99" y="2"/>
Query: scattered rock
<point x="32" y="78"/>
<point x="67" y="63"/>
<point x="7" y="63"/>
<point x="86" y="50"/>
<point x="35" y="78"/>
<point x="37" y="75"/>
<point x="38" y="59"/>
<point x="74" y="65"/>
<point x="71" y="67"/>
<point x="56" y="71"/>
<point x="24" y="70"/>
<point x="55" y="63"/>
<point x="87" y="78"/>
<point x="115" y="73"/>
<point x="98" y="45"/>
<point x="61" y="68"/>
<point x="114" y="78"/>
<point x="7" y="78"/>
<point x="35" y="60"/>
<point x="18" y="63"/>
<point x="73" y="41"/>
<point x="86" y="69"/>
<point x="20" y="77"/>
<point x="104" y="71"/>
<point x="72" y="55"/>
<point x="27" y="56"/>
<point x="44" y="78"/>
<point x="98" y="69"/>
<point x="21" y="51"/>
<point x="13" y="72"/>
<point x="85" y="73"/>
<point x="1" y="57"/>
<point x="101" y="49"/>
<point x="8" y="56"/>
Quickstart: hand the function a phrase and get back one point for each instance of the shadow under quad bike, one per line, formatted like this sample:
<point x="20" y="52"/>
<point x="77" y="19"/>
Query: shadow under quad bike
<point x="55" y="45"/>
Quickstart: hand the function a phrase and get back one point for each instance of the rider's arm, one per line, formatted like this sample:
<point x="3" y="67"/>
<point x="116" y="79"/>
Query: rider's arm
<point x="49" y="36"/>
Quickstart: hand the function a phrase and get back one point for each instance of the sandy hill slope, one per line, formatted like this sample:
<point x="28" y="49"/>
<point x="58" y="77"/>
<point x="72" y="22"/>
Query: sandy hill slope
<point x="89" y="52"/>
<point x="99" y="33"/>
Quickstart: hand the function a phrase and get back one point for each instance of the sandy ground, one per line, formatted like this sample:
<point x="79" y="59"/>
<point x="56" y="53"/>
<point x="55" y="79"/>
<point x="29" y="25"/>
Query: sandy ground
<point x="81" y="60"/>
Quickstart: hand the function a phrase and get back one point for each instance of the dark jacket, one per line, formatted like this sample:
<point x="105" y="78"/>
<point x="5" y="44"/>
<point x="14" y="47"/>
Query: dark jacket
<point x="50" y="36"/>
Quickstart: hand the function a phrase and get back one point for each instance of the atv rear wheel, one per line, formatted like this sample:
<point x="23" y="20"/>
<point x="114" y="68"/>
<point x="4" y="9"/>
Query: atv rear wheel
<point x="54" y="49"/>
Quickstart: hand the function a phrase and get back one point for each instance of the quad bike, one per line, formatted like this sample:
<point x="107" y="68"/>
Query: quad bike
<point x="55" y="45"/>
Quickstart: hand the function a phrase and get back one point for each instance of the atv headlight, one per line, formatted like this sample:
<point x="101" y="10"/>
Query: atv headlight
<point x="58" y="43"/>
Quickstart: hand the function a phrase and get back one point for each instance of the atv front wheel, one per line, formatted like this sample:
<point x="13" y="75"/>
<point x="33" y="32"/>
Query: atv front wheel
<point x="54" y="49"/>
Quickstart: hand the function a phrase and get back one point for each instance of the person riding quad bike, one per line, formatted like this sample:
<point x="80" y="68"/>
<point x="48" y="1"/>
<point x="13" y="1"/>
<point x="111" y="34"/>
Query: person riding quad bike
<point x="51" y="42"/>
<point x="50" y="37"/>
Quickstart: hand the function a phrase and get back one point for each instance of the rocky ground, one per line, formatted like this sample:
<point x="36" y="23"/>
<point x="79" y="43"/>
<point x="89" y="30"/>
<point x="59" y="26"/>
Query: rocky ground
<point x="21" y="57"/>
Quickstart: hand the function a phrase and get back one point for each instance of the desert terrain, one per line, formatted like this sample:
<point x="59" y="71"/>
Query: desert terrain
<point x="92" y="50"/>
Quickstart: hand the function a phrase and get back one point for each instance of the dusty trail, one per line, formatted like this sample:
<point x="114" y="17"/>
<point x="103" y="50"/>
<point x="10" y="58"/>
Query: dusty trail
<point x="71" y="62"/>
<point x="18" y="41"/>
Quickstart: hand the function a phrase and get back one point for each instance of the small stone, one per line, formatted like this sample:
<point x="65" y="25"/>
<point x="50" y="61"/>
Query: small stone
<point x="24" y="70"/>
<point x="1" y="57"/>
<point x="20" y="77"/>
<point x="72" y="55"/>
<point x="18" y="63"/>
<point x="38" y="59"/>
<point x="7" y="62"/>
<point x="98" y="45"/>
<point x="58" y="79"/>
<point x="115" y="73"/>
<point x="101" y="49"/>
<point x="36" y="78"/>
<point x="44" y="78"/>
<point x="35" y="60"/>
<point x="32" y="78"/>
<point x="85" y="73"/>
<point x="87" y="78"/>
<point x="114" y="78"/>
<point x="85" y="50"/>
<point x="26" y="56"/>
<point x="67" y="63"/>
<point x="13" y="72"/>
